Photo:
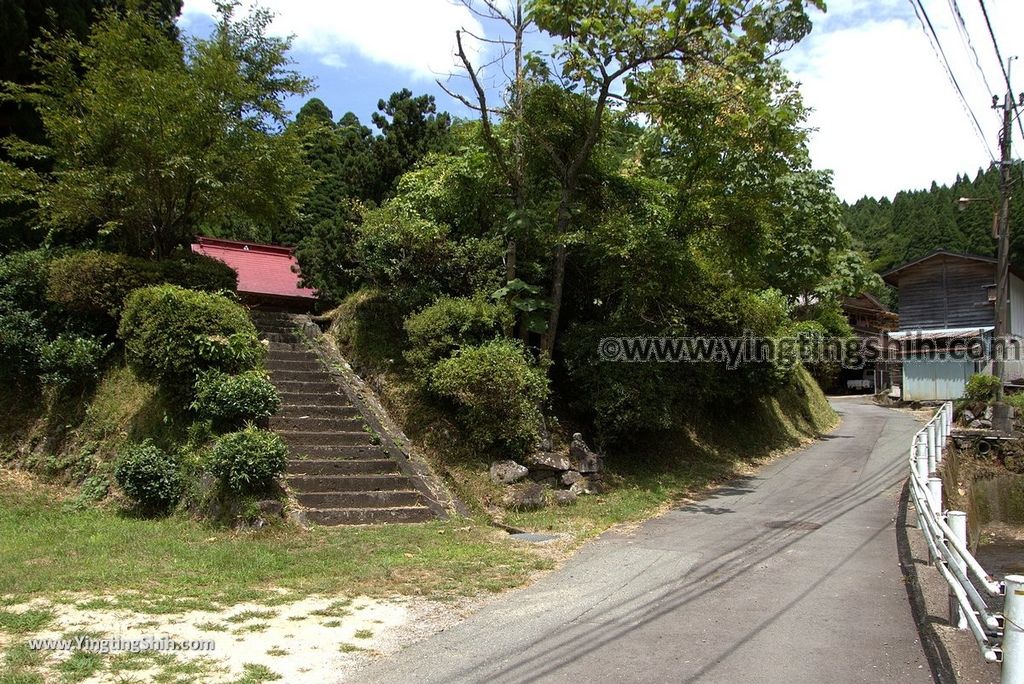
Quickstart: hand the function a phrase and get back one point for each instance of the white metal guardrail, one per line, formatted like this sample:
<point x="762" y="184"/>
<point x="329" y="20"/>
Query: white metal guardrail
<point x="999" y="635"/>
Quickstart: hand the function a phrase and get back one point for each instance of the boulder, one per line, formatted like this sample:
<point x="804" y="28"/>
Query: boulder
<point x="548" y="460"/>
<point x="583" y="458"/>
<point x="270" y="508"/>
<point x="988" y="413"/>
<point x="967" y="416"/>
<point x="507" y="472"/>
<point x="571" y="477"/>
<point x="580" y="488"/>
<point x="546" y="477"/>
<point x="528" y="498"/>
<point x="565" y="497"/>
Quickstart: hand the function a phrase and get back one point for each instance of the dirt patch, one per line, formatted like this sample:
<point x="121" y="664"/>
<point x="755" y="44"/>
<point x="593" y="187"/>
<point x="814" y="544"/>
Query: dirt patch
<point x="314" y="640"/>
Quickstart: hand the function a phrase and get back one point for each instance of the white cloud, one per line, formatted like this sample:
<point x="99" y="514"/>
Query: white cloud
<point x="887" y="117"/>
<point x="417" y="36"/>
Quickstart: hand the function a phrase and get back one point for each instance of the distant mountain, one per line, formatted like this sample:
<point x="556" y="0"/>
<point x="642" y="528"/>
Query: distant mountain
<point x="916" y="222"/>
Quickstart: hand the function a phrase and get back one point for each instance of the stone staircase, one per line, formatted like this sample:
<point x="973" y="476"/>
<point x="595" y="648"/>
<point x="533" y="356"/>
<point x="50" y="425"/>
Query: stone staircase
<point x="339" y="471"/>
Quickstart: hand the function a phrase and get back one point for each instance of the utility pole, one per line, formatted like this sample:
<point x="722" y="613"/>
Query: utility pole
<point x="1001" y="412"/>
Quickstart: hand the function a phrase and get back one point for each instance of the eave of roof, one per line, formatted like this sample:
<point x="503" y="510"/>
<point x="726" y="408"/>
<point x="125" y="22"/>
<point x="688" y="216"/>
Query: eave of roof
<point x="262" y="269"/>
<point x="889" y="276"/>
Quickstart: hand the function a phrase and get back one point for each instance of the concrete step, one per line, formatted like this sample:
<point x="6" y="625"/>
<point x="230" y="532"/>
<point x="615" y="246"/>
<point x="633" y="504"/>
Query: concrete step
<point x="382" y="499"/>
<point x="369" y="516"/>
<point x="302" y="354"/>
<point x="317" y="374"/>
<point x="299" y="363"/>
<point x="352" y="466"/>
<point x="275" y="322"/>
<point x="348" y="483"/>
<point x="339" y="409"/>
<point x="281" y="337"/>
<point x="296" y="439"/>
<point x="306" y="423"/>
<point x="302" y="387"/>
<point x="287" y="346"/>
<point x="341" y="451"/>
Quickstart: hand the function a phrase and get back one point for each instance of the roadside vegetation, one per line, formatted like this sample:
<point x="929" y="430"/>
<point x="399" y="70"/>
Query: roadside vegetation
<point x="468" y="269"/>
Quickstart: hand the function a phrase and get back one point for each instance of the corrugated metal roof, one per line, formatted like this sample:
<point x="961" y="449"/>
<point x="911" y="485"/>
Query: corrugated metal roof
<point x="939" y="334"/>
<point x="262" y="269"/>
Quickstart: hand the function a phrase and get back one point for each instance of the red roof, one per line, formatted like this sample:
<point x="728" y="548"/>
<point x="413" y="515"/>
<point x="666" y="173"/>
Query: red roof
<point x="262" y="269"/>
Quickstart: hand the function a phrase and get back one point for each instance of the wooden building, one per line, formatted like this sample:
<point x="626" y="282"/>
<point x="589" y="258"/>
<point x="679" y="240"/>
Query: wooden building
<point x="947" y="300"/>
<point x="268" y="275"/>
<point x="870" y="320"/>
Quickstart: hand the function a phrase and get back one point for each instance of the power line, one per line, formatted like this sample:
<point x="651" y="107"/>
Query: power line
<point x="1002" y="64"/>
<point x="965" y="35"/>
<point x="933" y="38"/>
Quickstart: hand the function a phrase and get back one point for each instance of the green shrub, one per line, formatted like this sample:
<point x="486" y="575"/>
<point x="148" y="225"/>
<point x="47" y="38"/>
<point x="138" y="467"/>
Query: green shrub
<point x="368" y="327"/>
<point x="981" y="387"/>
<point x="149" y="476"/>
<point x="71" y="361"/>
<point x="1016" y="400"/>
<point x="235" y="399"/>
<point x="23" y="280"/>
<point x="414" y="260"/>
<point x="172" y="334"/>
<point x="199" y="272"/>
<point x="247" y="461"/>
<point x="96" y="283"/>
<point x="449" y="324"/>
<point x="497" y="390"/>
<point x="21" y="337"/>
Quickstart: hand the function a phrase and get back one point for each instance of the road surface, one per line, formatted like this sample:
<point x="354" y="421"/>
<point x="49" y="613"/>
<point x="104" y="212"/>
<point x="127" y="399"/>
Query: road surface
<point x="787" y="576"/>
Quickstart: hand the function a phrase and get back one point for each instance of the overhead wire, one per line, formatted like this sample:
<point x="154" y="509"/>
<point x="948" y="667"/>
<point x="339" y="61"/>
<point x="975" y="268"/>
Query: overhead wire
<point x="933" y="39"/>
<point x="965" y="36"/>
<point x="1002" y="64"/>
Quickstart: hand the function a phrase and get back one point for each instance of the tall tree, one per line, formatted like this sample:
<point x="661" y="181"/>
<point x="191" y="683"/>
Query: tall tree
<point x="607" y="51"/>
<point x="149" y="141"/>
<point x="410" y="127"/>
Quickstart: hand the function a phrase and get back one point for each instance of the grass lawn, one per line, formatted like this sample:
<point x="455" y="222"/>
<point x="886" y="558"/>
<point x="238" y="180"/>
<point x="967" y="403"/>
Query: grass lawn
<point x="173" y="564"/>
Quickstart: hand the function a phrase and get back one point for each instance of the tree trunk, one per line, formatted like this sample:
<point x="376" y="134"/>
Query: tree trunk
<point x="557" y="279"/>
<point x="510" y="275"/>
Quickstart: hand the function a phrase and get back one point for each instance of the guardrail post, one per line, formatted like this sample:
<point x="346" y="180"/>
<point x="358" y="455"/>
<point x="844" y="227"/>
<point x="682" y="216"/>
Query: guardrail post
<point x="932" y="440"/>
<point x="922" y="459"/>
<point x="957" y="521"/>
<point x="1013" y="630"/>
<point x="935" y="489"/>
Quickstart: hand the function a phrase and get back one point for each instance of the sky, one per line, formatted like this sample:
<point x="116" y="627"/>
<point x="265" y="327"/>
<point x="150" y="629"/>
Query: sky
<point x="885" y="115"/>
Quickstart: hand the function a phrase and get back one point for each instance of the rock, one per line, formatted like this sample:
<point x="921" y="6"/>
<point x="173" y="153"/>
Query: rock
<point x="583" y="458"/>
<point x="270" y="508"/>
<point x="530" y="497"/>
<point x="579" y="488"/>
<point x="565" y="497"/>
<point x="1012" y="462"/>
<point x="571" y="477"/>
<point x="298" y="517"/>
<point x="988" y="413"/>
<point x="548" y="460"/>
<point x="546" y="477"/>
<point x="967" y="416"/>
<point x="975" y="424"/>
<point x="507" y="472"/>
<point x="985" y="424"/>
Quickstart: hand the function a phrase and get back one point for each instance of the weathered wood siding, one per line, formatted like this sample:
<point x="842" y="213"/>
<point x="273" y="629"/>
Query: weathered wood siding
<point x="1016" y="307"/>
<point x="946" y="292"/>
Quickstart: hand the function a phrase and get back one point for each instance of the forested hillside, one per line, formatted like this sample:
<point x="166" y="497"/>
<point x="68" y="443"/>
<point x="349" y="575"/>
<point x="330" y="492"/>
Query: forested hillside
<point x="916" y="222"/>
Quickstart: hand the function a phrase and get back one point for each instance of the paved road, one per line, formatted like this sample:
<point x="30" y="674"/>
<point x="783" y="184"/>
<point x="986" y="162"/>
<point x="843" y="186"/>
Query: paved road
<point x="742" y="587"/>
